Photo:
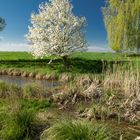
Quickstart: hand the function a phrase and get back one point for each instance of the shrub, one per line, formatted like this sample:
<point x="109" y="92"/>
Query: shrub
<point x="76" y="130"/>
<point x="17" y="125"/>
<point x="4" y="89"/>
<point x="34" y="91"/>
<point x="8" y="90"/>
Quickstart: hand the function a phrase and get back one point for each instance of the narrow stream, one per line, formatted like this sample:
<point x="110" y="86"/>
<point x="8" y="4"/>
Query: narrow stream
<point x="21" y="81"/>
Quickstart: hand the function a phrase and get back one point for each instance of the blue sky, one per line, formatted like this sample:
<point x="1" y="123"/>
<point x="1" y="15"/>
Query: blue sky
<point x="17" y="15"/>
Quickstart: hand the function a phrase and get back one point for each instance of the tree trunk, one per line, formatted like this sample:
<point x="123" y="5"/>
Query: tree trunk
<point x="50" y="61"/>
<point x="65" y="58"/>
<point x="138" y="50"/>
<point x="138" y="44"/>
<point x="119" y="51"/>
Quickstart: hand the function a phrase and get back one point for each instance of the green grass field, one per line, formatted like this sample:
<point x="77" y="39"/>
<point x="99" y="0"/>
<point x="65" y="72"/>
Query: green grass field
<point x="80" y="55"/>
<point x="86" y="62"/>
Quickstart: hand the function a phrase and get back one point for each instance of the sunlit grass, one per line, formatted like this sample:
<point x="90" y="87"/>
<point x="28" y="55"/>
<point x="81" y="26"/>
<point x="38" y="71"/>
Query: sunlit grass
<point x="77" y="130"/>
<point x="78" y="63"/>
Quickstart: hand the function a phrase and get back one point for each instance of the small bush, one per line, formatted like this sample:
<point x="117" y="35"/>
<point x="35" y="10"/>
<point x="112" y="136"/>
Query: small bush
<point x="16" y="91"/>
<point x="34" y="91"/>
<point x="8" y="90"/>
<point x="17" y="125"/>
<point x="4" y="90"/>
<point x="76" y="130"/>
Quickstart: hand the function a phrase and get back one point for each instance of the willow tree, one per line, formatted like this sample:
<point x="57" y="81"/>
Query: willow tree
<point x="56" y="30"/>
<point x="2" y="24"/>
<point x="122" y="21"/>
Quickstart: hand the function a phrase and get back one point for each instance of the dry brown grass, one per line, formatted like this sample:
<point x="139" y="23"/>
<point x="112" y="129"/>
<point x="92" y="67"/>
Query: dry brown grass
<point x="76" y="92"/>
<point x="118" y="91"/>
<point x="123" y="87"/>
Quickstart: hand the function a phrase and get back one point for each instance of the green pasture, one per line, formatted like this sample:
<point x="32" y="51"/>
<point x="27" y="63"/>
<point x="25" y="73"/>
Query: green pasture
<point x="78" y="63"/>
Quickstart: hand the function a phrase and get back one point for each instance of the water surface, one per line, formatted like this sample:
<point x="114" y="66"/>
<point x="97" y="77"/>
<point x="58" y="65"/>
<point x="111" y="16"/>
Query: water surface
<point x="21" y="81"/>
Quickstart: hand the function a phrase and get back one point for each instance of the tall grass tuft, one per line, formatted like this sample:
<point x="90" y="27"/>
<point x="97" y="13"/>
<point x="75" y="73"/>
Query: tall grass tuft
<point x="34" y="91"/>
<point x="76" y="130"/>
<point x="9" y="91"/>
<point x="17" y="125"/>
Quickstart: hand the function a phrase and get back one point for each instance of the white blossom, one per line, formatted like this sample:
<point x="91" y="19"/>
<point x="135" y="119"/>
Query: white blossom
<point x="138" y="138"/>
<point x="55" y="30"/>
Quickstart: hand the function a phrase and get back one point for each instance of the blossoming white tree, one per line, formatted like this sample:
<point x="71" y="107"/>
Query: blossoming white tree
<point x="56" y="31"/>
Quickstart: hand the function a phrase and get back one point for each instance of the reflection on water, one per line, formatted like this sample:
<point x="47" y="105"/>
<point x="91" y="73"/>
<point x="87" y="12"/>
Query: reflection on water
<point x="20" y="81"/>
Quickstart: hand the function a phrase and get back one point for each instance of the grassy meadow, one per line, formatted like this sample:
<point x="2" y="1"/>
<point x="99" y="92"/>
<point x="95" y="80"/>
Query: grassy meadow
<point x="78" y="63"/>
<point x="97" y="100"/>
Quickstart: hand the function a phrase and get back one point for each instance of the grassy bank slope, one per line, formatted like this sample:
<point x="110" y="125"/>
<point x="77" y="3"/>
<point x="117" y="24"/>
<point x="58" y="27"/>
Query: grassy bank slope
<point x="87" y="62"/>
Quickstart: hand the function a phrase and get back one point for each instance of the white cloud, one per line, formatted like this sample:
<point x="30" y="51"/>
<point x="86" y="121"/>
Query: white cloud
<point x="13" y="46"/>
<point x="24" y="47"/>
<point x="95" y="48"/>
